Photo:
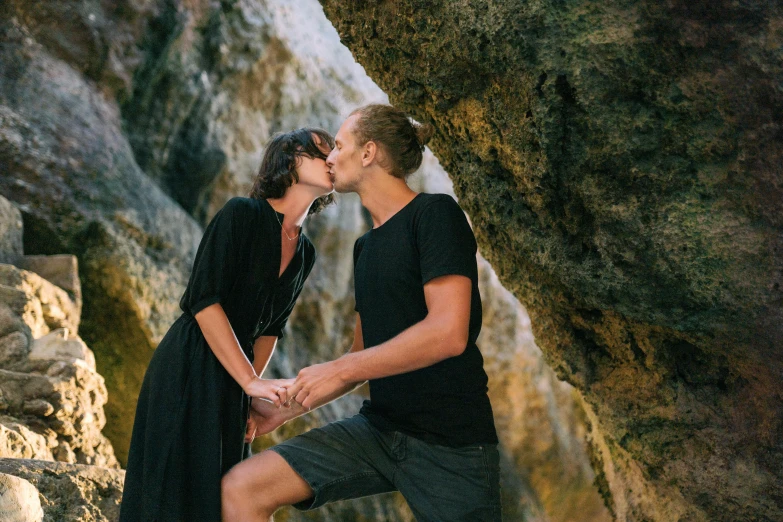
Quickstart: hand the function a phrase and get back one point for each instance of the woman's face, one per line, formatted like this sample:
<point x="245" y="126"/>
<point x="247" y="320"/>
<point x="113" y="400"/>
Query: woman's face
<point x="313" y="172"/>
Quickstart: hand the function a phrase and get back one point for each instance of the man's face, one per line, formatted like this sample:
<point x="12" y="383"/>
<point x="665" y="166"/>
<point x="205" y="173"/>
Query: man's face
<point x="345" y="160"/>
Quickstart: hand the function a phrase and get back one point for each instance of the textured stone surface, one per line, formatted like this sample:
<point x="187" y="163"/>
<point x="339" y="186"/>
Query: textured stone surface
<point x="51" y="397"/>
<point x="61" y="270"/>
<point x="70" y="492"/>
<point x="74" y="176"/>
<point x="156" y="106"/>
<point x="10" y="231"/>
<point x="620" y="162"/>
<point x="19" y="500"/>
<point x="35" y="303"/>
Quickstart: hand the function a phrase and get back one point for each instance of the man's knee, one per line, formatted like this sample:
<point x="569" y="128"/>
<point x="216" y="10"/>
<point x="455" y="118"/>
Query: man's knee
<point x="252" y="484"/>
<point x="233" y="489"/>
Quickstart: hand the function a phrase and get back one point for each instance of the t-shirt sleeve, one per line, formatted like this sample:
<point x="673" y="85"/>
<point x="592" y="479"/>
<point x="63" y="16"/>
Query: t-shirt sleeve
<point x="215" y="267"/>
<point x="445" y="241"/>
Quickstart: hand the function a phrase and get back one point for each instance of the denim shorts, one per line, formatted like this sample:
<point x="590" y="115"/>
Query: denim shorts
<point x="351" y="459"/>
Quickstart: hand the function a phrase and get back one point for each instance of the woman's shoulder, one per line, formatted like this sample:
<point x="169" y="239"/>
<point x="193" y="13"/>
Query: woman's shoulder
<point x="242" y="205"/>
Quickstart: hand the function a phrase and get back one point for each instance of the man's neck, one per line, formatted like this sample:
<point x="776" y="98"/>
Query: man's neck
<point x="385" y="197"/>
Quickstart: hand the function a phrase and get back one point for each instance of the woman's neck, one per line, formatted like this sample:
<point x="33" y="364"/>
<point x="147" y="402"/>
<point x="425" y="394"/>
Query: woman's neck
<point x="295" y="204"/>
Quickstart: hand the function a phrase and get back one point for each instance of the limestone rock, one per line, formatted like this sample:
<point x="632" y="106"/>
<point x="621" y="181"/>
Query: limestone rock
<point x="620" y="162"/>
<point x="57" y="345"/>
<point x="40" y="305"/>
<point x="51" y="398"/>
<point x="20" y="442"/>
<point x="60" y="270"/>
<point x="71" y="491"/>
<point x="19" y="500"/>
<point x="72" y="173"/>
<point x="109" y="116"/>
<point x="10" y="231"/>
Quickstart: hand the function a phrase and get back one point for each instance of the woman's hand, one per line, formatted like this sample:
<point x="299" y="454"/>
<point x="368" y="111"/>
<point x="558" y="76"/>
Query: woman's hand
<point x="272" y="390"/>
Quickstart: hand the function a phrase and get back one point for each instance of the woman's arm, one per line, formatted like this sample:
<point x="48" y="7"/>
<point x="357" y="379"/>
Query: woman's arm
<point x="221" y="339"/>
<point x="263" y="349"/>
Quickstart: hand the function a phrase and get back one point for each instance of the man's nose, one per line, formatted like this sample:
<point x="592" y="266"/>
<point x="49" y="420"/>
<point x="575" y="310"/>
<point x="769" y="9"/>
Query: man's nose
<point x="329" y="161"/>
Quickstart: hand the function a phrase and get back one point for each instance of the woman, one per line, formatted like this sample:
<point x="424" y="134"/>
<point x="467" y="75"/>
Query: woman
<point x="251" y="264"/>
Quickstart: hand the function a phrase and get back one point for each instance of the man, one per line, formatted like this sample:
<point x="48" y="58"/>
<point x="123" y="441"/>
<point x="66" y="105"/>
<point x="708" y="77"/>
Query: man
<point x="427" y="430"/>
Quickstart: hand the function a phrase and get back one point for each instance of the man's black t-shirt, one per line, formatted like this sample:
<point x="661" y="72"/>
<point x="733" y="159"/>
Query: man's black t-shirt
<point x="445" y="403"/>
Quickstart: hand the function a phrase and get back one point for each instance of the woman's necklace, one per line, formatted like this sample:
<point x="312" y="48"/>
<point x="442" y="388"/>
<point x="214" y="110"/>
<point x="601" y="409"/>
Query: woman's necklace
<point x="283" y="229"/>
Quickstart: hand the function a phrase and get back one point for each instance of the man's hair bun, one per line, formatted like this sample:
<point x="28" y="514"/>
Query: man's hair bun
<point x="424" y="132"/>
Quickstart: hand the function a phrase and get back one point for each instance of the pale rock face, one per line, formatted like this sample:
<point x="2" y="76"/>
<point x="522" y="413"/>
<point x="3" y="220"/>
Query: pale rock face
<point x="10" y="231"/>
<point x="19" y="500"/>
<point x="57" y="345"/>
<point x="70" y="492"/>
<point x="51" y="397"/>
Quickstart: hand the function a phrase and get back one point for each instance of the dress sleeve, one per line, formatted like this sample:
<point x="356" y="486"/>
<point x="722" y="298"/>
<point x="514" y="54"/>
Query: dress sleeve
<point x="215" y="267"/>
<point x="445" y="241"/>
<point x="278" y="327"/>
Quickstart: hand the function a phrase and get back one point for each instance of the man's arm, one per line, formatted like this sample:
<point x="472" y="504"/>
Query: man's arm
<point x="443" y="333"/>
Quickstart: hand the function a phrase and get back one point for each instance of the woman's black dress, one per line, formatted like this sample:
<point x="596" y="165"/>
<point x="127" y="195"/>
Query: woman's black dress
<point x="191" y="415"/>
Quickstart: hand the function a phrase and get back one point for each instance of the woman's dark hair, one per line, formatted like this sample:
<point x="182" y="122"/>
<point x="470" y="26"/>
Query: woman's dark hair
<point x="401" y="138"/>
<point x="278" y="168"/>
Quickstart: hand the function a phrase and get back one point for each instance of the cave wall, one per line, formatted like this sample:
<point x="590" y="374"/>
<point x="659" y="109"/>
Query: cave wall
<point x="621" y="164"/>
<point x="124" y="126"/>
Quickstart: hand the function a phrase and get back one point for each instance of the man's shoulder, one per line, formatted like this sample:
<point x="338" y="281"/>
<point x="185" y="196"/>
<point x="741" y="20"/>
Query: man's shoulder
<point x="428" y="198"/>
<point x="434" y="202"/>
<point x="437" y="207"/>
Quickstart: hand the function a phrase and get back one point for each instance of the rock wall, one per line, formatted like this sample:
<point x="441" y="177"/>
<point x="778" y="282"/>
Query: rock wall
<point x="73" y="174"/>
<point x="64" y="492"/>
<point x="124" y="128"/>
<point x="620" y="162"/>
<point x="51" y="397"/>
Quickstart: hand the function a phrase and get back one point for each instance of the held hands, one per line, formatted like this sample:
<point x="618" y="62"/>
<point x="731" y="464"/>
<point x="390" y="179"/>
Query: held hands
<point x="272" y="390"/>
<point x="315" y="384"/>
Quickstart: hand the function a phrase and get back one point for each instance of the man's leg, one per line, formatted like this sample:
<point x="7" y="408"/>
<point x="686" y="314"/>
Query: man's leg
<point x="255" y="488"/>
<point x="450" y="484"/>
<point x="342" y="460"/>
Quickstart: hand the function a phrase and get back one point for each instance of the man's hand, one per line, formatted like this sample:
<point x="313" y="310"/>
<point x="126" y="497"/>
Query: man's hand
<point x="264" y="418"/>
<point x="317" y="384"/>
<point x="258" y="425"/>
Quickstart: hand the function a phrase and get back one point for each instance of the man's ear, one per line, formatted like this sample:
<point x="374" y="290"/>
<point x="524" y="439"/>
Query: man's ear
<point x="369" y="153"/>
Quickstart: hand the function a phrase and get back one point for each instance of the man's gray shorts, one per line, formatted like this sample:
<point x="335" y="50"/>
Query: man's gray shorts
<point x="351" y="459"/>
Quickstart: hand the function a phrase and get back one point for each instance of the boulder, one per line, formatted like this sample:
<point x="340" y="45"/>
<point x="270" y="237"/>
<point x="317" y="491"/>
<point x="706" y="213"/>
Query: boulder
<point x="10" y="231"/>
<point x="73" y="174"/>
<point x="70" y="491"/>
<point x="620" y="162"/>
<point x="19" y="500"/>
<point x="51" y="397"/>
